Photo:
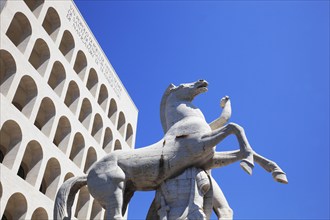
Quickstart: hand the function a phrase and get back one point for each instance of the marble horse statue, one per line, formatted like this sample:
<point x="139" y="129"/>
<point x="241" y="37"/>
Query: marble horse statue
<point x="189" y="142"/>
<point x="184" y="197"/>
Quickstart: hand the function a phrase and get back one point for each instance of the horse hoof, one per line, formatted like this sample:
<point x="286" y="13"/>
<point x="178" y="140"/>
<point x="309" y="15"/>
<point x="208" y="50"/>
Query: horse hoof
<point x="280" y="177"/>
<point x="247" y="166"/>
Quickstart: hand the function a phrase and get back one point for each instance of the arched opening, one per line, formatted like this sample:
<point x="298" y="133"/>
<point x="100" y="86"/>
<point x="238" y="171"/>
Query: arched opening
<point x="57" y="78"/>
<point x="39" y="214"/>
<point x="92" y="81"/>
<point x="77" y="150"/>
<point x="72" y="96"/>
<point x="40" y="56"/>
<point x="68" y="176"/>
<point x="10" y="140"/>
<point x="45" y="117"/>
<point x="96" y="210"/>
<point x="107" y="140"/>
<point x="67" y="45"/>
<point x="91" y="158"/>
<point x="7" y="71"/>
<point x="82" y="204"/>
<point x="52" y="23"/>
<point x="117" y="145"/>
<point x="97" y="127"/>
<point x="121" y="123"/>
<point x="51" y="178"/>
<point x="85" y="113"/>
<point x="0" y="190"/>
<point x="19" y="31"/>
<point x="80" y="64"/>
<point x="22" y="170"/>
<point x="129" y="135"/>
<point x="112" y="114"/>
<point x="103" y="97"/>
<point x="25" y="95"/>
<point x="62" y="135"/>
<point x="34" y="5"/>
<point x="16" y="207"/>
<point x="31" y="162"/>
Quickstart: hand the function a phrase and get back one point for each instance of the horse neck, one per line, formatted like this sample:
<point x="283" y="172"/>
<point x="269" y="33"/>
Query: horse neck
<point x="177" y="110"/>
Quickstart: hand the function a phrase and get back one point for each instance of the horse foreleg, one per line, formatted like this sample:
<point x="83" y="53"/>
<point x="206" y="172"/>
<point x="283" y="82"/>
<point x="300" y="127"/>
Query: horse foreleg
<point x="270" y="166"/>
<point x="221" y="159"/>
<point x="214" y="137"/>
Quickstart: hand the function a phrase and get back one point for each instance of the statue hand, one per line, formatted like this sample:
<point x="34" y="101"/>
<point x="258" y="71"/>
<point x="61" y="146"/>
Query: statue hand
<point x="224" y="101"/>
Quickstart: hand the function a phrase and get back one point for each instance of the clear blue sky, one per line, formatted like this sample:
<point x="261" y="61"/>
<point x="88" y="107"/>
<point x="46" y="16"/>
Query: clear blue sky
<point x="270" y="57"/>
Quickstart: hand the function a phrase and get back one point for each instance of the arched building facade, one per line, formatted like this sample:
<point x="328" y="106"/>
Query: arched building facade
<point x="63" y="107"/>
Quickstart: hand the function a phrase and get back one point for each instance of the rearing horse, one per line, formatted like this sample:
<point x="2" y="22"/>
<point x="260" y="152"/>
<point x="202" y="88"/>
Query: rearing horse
<point x="188" y="142"/>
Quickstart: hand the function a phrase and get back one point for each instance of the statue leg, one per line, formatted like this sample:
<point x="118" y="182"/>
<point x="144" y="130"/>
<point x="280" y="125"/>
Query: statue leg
<point x="213" y="138"/>
<point x="221" y="159"/>
<point x="270" y="166"/>
<point x="220" y="204"/>
<point x="114" y="204"/>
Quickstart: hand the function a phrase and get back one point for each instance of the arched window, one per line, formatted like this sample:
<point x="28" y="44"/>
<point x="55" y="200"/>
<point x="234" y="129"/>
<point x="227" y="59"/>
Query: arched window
<point x="7" y="71"/>
<point x="107" y="140"/>
<point x="117" y="145"/>
<point x="92" y="82"/>
<point x="96" y="210"/>
<point x="57" y="78"/>
<point x="77" y="150"/>
<point x="40" y="56"/>
<point x="67" y="45"/>
<point x="34" y="5"/>
<point x="52" y="23"/>
<point x="121" y="123"/>
<point x="112" y="114"/>
<point x="25" y="95"/>
<point x="68" y="176"/>
<point x="82" y="204"/>
<point x="31" y="161"/>
<point x="39" y="213"/>
<point x="45" y="117"/>
<point x="19" y="31"/>
<point x="72" y="96"/>
<point x="80" y="64"/>
<point x="51" y="178"/>
<point x="129" y="135"/>
<point x="10" y="140"/>
<point x="97" y="127"/>
<point x="91" y="158"/>
<point x="103" y="97"/>
<point x="85" y="113"/>
<point x="62" y="135"/>
<point x="16" y="207"/>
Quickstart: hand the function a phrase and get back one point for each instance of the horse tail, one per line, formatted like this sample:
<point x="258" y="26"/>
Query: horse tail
<point x="65" y="197"/>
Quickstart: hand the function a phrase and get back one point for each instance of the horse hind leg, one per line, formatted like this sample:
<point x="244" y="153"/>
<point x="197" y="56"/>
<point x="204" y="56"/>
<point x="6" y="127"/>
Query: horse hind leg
<point x="114" y="203"/>
<point x="109" y="191"/>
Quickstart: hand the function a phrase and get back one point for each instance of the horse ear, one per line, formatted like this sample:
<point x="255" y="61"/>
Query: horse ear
<point x="171" y="86"/>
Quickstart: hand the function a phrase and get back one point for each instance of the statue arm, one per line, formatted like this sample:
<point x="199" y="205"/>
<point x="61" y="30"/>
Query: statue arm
<point x="225" y="114"/>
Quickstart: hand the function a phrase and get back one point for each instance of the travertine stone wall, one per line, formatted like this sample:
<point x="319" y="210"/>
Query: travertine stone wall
<point x="62" y="107"/>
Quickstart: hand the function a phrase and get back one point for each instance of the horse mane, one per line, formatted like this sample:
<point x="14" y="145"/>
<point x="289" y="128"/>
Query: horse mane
<point x="162" y="106"/>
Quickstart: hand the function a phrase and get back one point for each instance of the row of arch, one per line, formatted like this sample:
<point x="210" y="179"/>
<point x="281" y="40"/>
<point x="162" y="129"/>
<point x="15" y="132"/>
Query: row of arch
<point x="17" y="206"/>
<point x="27" y="92"/>
<point x="33" y="161"/>
<point x="19" y="33"/>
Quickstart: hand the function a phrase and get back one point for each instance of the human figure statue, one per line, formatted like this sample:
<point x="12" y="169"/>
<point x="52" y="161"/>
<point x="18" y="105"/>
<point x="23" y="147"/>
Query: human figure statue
<point x="189" y="142"/>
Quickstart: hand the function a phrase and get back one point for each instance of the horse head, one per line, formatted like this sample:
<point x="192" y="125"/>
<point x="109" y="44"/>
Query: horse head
<point x="187" y="91"/>
<point x="183" y="93"/>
